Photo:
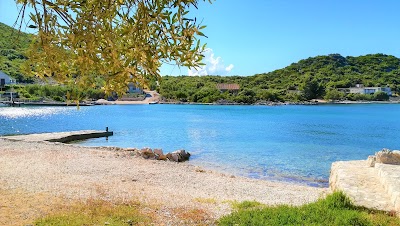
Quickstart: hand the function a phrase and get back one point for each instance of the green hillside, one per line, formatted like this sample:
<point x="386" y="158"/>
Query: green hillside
<point x="12" y="51"/>
<point x="315" y="77"/>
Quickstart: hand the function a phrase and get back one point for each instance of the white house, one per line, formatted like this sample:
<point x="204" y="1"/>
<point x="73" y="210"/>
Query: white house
<point x="132" y="88"/>
<point x="6" y="80"/>
<point x="370" y="90"/>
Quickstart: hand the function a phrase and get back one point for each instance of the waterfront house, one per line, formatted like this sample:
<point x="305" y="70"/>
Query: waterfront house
<point x="5" y="80"/>
<point x="370" y="90"/>
<point x="223" y="87"/>
<point x="134" y="88"/>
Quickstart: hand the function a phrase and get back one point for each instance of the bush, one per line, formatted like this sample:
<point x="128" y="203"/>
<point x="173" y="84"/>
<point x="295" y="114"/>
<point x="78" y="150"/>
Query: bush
<point x="334" y="94"/>
<point x="335" y="209"/>
<point x="27" y="95"/>
<point x="358" y="96"/>
<point x="58" y="98"/>
<point x="381" y="96"/>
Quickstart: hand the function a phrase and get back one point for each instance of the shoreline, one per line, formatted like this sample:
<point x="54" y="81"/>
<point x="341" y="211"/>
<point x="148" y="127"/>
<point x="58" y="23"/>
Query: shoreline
<point x="74" y="138"/>
<point x="152" y="101"/>
<point x="82" y="173"/>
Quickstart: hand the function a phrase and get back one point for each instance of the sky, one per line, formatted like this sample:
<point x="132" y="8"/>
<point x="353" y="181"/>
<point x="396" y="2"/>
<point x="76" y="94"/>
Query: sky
<point x="259" y="36"/>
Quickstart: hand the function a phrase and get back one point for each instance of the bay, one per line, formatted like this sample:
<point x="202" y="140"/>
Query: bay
<point x="284" y="143"/>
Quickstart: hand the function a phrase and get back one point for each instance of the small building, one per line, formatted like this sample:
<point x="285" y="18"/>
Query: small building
<point x="370" y="90"/>
<point x="134" y="88"/>
<point x="6" y="80"/>
<point x="223" y="87"/>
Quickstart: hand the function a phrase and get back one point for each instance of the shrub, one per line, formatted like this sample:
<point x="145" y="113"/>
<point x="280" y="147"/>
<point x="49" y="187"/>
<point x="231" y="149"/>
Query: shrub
<point x="27" y="95"/>
<point x="335" y="209"/>
<point x="58" y="98"/>
<point x="334" y="94"/>
<point x="381" y="96"/>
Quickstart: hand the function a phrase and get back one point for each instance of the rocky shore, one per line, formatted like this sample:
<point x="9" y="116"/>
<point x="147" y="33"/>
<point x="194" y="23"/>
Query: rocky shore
<point x="80" y="173"/>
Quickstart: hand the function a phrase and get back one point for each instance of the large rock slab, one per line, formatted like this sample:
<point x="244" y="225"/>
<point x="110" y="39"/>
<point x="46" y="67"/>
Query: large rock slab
<point x="389" y="176"/>
<point x="361" y="183"/>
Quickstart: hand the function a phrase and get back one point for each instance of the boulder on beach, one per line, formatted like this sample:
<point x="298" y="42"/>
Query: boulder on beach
<point x="159" y="155"/>
<point x="147" y="153"/>
<point x="158" y="152"/>
<point x="178" y="156"/>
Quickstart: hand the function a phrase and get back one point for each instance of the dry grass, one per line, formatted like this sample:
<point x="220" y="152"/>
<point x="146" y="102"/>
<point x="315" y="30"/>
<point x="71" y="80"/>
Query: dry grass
<point x="193" y="216"/>
<point x="18" y="207"/>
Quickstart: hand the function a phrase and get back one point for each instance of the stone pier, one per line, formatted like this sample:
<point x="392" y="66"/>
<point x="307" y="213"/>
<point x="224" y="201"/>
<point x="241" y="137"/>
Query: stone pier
<point x="63" y="137"/>
<point x="375" y="187"/>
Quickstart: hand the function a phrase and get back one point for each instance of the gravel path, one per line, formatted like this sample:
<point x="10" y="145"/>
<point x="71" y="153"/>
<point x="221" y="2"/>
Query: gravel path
<point x="75" y="172"/>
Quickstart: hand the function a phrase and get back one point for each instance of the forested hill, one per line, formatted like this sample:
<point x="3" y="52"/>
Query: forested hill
<point x="13" y="45"/>
<point x="337" y="71"/>
<point x="310" y="78"/>
<point x="315" y="77"/>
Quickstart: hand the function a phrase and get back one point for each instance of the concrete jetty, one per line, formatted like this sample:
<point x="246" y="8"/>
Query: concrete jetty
<point x="376" y="187"/>
<point x="63" y="137"/>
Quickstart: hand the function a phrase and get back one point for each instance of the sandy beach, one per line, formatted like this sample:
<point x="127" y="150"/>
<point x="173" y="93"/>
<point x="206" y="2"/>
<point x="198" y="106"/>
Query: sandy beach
<point x="35" y="176"/>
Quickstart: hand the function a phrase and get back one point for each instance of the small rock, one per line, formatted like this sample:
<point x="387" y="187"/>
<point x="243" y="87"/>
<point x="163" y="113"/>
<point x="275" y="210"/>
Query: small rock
<point x="123" y="180"/>
<point x="200" y="171"/>
<point x="371" y="161"/>
<point x="130" y="149"/>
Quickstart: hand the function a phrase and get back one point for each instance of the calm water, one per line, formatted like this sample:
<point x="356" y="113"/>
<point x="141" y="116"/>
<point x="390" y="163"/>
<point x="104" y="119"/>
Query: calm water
<point x="291" y="143"/>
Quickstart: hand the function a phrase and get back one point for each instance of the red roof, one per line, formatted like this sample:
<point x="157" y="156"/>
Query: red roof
<point x="225" y="86"/>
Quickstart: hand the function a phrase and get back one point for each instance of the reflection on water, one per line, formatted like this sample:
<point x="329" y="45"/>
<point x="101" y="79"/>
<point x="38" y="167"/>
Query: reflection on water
<point x="19" y="112"/>
<point x="291" y="143"/>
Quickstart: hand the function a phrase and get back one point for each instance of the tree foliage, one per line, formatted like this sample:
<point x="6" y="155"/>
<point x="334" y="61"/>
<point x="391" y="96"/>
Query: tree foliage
<point x="119" y="41"/>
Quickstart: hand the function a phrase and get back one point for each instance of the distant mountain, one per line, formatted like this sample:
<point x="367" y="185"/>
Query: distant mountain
<point x="13" y="45"/>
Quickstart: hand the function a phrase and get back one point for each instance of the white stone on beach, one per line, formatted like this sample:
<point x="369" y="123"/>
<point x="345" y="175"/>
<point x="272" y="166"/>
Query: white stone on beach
<point x="371" y="160"/>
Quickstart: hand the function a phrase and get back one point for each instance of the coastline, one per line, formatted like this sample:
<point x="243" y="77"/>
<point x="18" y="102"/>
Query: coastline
<point x="242" y="104"/>
<point x="80" y="173"/>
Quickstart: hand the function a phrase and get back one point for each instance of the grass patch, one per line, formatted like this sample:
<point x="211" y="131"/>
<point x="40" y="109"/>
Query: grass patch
<point x="97" y="213"/>
<point x="246" y="205"/>
<point x="335" y="209"/>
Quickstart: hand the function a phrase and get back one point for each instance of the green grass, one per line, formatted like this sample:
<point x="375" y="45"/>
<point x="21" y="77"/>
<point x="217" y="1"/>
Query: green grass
<point x="96" y="213"/>
<point x="335" y="209"/>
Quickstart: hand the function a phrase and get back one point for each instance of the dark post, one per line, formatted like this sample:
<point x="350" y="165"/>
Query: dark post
<point x="107" y="129"/>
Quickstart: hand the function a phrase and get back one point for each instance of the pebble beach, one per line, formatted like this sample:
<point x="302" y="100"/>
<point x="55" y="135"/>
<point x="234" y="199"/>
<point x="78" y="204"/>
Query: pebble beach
<point x="73" y="172"/>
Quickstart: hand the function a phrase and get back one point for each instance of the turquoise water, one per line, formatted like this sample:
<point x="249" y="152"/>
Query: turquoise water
<point x="290" y="143"/>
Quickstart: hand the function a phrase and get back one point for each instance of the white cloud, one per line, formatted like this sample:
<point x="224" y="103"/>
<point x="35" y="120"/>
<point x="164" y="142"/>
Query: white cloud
<point x="214" y="65"/>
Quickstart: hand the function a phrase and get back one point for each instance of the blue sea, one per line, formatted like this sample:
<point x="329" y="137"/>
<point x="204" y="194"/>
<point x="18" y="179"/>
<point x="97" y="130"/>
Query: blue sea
<point x="283" y="143"/>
